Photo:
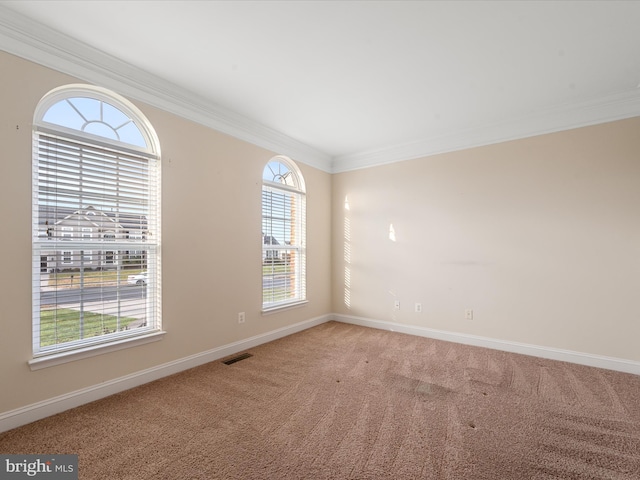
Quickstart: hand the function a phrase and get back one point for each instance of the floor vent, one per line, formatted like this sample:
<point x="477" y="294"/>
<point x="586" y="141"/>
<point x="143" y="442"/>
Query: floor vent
<point x="237" y="359"/>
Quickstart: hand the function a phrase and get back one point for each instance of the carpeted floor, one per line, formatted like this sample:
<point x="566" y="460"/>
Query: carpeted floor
<point x="345" y="402"/>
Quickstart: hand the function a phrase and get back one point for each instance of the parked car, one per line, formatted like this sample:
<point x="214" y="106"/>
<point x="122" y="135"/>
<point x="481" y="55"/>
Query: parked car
<point x="137" y="279"/>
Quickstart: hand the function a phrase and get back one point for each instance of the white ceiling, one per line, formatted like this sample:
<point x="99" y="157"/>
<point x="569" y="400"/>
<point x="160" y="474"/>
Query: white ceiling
<point x="359" y="83"/>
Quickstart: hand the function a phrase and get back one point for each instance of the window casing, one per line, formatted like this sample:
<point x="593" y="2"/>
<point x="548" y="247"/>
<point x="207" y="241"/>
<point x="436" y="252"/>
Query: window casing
<point x="283" y="235"/>
<point x="96" y="177"/>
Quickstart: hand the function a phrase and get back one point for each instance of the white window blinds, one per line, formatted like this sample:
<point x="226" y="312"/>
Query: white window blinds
<point x="283" y="236"/>
<point x="96" y="234"/>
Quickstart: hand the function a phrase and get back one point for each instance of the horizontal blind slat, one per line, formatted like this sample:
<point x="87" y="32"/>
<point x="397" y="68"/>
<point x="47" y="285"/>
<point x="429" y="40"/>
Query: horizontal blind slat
<point x="81" y="278"/>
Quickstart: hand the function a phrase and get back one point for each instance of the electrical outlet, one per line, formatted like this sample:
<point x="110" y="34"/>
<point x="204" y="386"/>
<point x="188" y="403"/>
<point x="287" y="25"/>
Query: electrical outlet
<point x="468" y="314"/>
<point x="241" y="317"/>
<point x="396" y="305"/>
<point x="418" y="307"/>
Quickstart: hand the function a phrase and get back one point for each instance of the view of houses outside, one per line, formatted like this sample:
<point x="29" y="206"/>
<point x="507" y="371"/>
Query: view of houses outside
<point x="89" y="225"/>
<point x="86" y="293"/>
<point x="281" y="237"/>
<point x="95" y="213"/>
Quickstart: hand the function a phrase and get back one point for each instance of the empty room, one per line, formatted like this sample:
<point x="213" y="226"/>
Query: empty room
<point x="320" y="239"/>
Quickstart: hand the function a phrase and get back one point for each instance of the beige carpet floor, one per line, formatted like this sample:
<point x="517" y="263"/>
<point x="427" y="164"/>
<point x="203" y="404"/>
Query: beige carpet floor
<point x="345" y="402"/>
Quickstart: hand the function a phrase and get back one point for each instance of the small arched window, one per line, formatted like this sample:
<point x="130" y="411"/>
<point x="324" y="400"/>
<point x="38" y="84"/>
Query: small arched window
<point x="95" y="169"/>
<point x="283" y="234"/>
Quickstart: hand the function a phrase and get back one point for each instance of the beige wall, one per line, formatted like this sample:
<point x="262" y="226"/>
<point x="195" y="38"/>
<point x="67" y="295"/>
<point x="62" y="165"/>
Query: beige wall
<point x="211" y="194"/>
<point x="540" y="237"/>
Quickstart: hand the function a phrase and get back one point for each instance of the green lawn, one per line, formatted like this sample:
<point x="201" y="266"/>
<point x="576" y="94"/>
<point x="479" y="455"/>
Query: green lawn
<point x="276" y="295"/>
<point x="276" y="268"/>
<point x="280" y="293"/>
<point x="63" y="325"/>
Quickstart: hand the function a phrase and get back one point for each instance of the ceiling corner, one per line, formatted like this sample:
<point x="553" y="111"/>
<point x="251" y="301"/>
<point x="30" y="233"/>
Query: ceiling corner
<point x="616" y="106"/>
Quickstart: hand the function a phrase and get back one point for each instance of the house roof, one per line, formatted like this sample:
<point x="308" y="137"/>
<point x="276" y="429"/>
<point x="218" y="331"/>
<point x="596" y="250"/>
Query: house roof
<point x="269" y="240"/>
<point x="53" y="216"/>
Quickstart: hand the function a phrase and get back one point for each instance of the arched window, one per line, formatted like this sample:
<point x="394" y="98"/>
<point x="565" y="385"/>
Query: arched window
<point x="283" y="235"/>
<point x="96" y="223"/>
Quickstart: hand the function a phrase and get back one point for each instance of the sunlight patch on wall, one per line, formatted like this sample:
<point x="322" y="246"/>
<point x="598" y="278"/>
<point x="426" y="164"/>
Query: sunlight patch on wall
<point x="347" y="230"/>
<point x="392" y="233"/>
<point x="347" y="286"/>
<point x="347" y="254"/>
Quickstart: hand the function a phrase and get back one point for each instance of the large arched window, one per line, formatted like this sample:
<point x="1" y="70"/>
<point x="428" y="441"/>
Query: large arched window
<point x="96" y="223"/>
<point x="283" y="235"/>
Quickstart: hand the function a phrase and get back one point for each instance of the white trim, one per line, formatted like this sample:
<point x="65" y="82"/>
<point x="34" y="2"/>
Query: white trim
<point x="36" y="411"/>
<point x="53" y="359"/>
<point x="284" y="306"/>
<point x="599" y="361"/>
<point x="38" y="43"/>
<point x="43" y="45"/>
<point x="594" y="111"/>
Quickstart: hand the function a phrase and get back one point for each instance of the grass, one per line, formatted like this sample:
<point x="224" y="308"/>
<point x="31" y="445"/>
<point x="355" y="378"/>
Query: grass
<point x="280" y="292"/>
<point x="276" y="269"/>
<point x="63" y="325"/>
<point x="276" y="295"/>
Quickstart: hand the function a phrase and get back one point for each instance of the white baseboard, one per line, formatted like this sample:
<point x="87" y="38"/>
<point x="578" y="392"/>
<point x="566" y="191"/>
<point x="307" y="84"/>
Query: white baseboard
<point x="609" y="363"/>
<point x="30" y="413"/>
<point x="36" y="411"/>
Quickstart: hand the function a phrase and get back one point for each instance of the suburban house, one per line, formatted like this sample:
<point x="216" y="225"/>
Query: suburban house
<point x="270" y="255"/>
<point x="90" y="223"/>
<point x="465" y="171"/>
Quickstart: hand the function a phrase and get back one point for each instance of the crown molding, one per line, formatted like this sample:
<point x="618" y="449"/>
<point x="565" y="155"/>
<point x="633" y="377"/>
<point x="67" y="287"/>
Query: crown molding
<point x="40" y="44"/>
<point x="618" y="106"/>
<point x="36" y="42"/>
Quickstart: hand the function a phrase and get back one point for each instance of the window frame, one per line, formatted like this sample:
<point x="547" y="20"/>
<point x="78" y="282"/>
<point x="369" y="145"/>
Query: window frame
<point x="293" y="187"/>
<point x="84" y="247"/>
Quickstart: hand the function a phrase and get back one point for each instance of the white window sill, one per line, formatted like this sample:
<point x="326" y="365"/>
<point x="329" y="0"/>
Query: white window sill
<point x="93" y="350"/>
<point x="284" y="306"/>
